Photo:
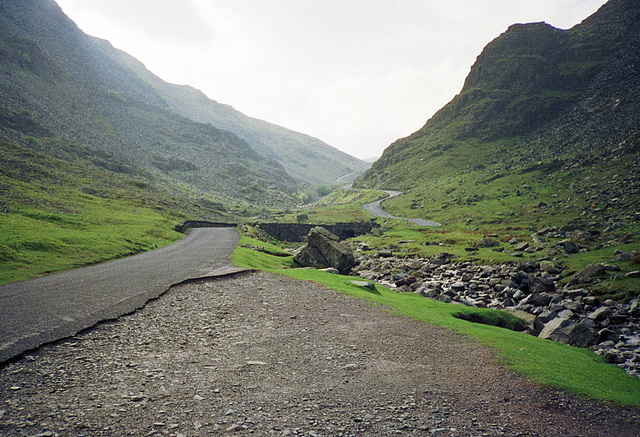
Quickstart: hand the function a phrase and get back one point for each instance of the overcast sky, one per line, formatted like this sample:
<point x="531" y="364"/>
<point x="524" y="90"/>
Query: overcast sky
<point x="358" y="74"/>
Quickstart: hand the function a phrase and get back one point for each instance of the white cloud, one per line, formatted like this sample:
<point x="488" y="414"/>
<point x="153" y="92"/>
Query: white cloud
<point x="357" y="74"/>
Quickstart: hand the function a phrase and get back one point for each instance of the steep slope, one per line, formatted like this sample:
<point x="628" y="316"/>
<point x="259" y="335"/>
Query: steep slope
<point x="59" y="89"/>
<point x="56" y="214"/>
<point x="556" y="112"/>
<point x="302" y="156"/>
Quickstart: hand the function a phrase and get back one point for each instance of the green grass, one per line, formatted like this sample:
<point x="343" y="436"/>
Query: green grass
<point x="34" y="242"/>
<point x="611" y="287"/>
<point x="577" y="371"/>
<point x="55" y="215"/>
<point x="406" y="239"/>
<point x="505" y="206"/>
<point x="341" y="205"/>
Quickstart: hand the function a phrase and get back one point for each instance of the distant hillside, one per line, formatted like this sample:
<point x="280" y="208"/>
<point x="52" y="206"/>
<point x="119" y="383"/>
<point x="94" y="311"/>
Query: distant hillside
<point x="302" y="156"/>
<point x="64" y="94"/>
<point x="94" y="165"/>
<point x="547" y="123"/>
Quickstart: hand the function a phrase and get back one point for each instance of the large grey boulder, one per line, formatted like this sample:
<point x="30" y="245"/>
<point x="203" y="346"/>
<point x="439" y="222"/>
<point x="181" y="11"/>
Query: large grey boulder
<point x="569" y="332"/>
<point x="588" y="274"/>
<point x="486" y="242"/>
<point x="569" y="246"/>
<point x="323" y="250"/>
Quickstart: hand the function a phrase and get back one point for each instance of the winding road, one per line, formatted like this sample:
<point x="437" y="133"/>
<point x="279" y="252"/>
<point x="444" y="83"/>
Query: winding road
<point x="56" y="306"/>
<point x="52" y="307"/>
<point x="375" y="208"/>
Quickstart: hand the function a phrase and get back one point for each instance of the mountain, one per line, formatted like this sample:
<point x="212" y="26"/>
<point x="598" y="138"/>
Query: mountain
<point x="64" y="94"/>
<point x="554" y="111"/>
<point x="59" y="90"/>
<point x="302" y="156"/>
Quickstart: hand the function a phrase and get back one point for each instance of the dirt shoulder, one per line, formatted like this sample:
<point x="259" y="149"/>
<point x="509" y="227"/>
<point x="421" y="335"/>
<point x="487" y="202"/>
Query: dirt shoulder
<point x="266" y="355"/>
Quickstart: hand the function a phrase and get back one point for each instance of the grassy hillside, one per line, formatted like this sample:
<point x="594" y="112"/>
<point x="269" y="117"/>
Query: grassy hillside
<point x="545" y="132"/>
<point x="56" y="215"/>
<point x="302" y="156"/>
<point x="58" y="85"/>
<point x="99" y="158"/>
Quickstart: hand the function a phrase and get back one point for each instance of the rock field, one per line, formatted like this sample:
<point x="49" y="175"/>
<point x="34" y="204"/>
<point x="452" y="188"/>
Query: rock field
<point x="569" y="314"/>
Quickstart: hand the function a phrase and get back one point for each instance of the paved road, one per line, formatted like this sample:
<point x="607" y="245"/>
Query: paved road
<point x="46" y="309"/>
<point x="374" y="208"/>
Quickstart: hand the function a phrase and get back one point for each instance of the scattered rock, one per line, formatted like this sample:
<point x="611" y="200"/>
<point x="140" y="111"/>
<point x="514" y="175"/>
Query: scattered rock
<point x="486" y="242"/>
<point x="528" y="287"/>
<point x="365" y="284"/>
<point x="588" y="274"/>
<point x="568" y="332"/>
<point x="600" y="314"/>
<point x="569" y="246"/>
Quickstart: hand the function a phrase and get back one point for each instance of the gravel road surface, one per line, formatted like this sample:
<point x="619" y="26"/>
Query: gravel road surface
<point x="259" y="354"/>
<point x="55" y="306"/>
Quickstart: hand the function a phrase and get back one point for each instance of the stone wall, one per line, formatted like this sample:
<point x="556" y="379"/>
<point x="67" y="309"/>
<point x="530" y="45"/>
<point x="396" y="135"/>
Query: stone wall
<point x="184" y="226"/>
<point x="297" y="231"/>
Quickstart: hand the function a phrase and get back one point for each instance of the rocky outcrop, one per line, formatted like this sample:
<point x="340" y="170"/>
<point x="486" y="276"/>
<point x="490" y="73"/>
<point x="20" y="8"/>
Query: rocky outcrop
<point x="532" y="290"/>
<point x="324" y="250"/>
<point x="589" y="273"/>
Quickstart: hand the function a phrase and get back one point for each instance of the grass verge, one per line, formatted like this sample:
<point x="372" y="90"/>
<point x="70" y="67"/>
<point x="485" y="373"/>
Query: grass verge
<point x="57" y="215"/>
<point x="574" y="370"/>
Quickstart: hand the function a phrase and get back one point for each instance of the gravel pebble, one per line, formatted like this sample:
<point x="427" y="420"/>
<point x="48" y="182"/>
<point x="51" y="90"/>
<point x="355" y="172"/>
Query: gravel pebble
<point x="259" y="354"/>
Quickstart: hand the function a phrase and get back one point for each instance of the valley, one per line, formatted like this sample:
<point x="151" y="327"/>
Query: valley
<point x="517" y="205"/>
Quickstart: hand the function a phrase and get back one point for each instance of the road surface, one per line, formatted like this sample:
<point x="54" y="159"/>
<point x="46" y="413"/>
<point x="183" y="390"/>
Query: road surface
<point x="374" y="208"/>
<point x="52" y="307"/>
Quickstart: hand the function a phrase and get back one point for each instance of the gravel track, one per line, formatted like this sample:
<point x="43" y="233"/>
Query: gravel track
<point x="259" y="354"/>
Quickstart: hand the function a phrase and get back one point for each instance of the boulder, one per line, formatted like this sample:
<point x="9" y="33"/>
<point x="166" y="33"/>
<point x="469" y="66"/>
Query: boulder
<point x="569" y="332"/>
<point x="624" y="256"/>
<point x="546" y="316"/>
<point x="365" y="284"/>
<point x="486" y="242"/>
<point x="600" y="314"/>
<point x="408" y="280"/>
<point x="588" y="274"/>
<point x="538" y="284"/>
<point x="550" y="267"/>
<point x="537" y="300"/>
<point x="323" y="250"/>
<point x="529" y="319"/>
<point x="569" y="246"/>
<point x="608" y="335"/>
